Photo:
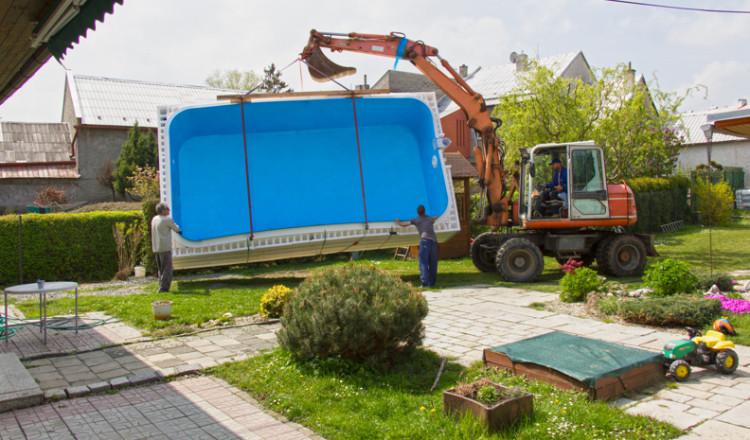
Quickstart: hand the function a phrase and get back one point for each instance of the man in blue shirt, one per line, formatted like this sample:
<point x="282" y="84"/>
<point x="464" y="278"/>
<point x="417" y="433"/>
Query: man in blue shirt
<point x="428" y="245"/>
<point x="556" y="189"/>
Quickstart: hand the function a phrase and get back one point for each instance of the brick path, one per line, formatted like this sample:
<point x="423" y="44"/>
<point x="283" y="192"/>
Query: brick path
<point x="461" y="323"/>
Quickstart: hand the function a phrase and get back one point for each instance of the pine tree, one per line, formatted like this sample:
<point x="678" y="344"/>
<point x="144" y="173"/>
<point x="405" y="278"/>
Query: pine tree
<point x="272" y="82"/>
<point x="138" y="150"/>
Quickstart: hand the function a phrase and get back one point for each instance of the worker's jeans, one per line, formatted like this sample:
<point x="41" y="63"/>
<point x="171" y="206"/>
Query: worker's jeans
<point x="428" y="261"/>
<point x="164" y="265"/>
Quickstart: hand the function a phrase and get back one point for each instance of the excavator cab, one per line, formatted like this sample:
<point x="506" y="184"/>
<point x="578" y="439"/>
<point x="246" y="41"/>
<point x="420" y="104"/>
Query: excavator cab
<point x="586" y="197"/>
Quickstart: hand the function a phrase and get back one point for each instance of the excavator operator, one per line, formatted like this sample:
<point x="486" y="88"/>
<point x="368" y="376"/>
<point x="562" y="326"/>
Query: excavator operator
<point x="555" y="191"/>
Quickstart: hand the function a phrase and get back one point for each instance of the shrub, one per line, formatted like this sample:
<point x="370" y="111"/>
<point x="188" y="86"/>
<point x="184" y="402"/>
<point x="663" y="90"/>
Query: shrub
<point x="678" y="310"/>
<point x="670" y="277"/>
<point x="722" y="280"/>
<point x="721" y="201"/>
<point x="128" y="238"/>
<point x="272" y="302"/>
<point x="148" y="208"/>
<point x="355" y="312"/>
<point x="576" y="285"/>
<point x="49" y="195"/>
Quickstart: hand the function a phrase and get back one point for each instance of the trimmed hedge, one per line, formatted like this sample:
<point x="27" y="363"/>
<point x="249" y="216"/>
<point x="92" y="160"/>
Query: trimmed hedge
<point x="64" y="247"/>
<point x="660" y="201"/>
<point x="672" y="311"/>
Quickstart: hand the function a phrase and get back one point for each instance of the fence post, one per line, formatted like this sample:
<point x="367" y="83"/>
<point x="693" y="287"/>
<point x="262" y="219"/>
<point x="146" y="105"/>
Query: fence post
<point x="20" y="249"/>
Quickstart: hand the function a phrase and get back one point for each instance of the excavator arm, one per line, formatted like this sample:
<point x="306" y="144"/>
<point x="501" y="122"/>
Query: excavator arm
<point x="489" y="159"/>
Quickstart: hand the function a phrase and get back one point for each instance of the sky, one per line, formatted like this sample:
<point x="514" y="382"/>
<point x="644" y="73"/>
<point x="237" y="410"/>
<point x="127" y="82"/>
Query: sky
<point x="183" y="41"/>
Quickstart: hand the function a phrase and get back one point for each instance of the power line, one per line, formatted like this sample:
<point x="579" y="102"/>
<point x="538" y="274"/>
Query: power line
<point x="681" y="8"/>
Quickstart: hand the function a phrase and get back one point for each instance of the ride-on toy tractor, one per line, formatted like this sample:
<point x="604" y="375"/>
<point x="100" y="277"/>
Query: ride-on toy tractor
<point x="698" y="351"/>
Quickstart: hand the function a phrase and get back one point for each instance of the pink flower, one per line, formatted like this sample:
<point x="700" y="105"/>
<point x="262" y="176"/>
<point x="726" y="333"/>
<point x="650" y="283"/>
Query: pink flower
<point x="739" y="306"/>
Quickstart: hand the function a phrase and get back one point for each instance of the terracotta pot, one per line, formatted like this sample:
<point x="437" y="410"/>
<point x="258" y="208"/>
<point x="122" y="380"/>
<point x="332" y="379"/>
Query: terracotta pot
<point x="162" y="310"/>
<point x="492" y="417"/>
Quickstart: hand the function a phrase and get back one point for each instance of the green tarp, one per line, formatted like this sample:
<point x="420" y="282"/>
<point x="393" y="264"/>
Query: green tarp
<point x="581" y="358"/>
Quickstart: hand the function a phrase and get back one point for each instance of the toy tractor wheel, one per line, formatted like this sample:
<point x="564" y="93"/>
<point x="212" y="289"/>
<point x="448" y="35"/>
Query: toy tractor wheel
<point x="519" y="261"/>
<point x="727" y="361"/>
<point x="623" y="256"/>
<point x="680" y="370"/>
<point x="484" y="249"/>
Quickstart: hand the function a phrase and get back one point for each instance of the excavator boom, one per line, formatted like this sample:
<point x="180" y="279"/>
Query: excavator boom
<point x="489" y="158"/>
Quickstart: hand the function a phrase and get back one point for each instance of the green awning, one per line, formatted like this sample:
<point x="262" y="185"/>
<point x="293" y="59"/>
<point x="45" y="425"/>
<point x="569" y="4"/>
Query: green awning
<point x="91" y="12"/>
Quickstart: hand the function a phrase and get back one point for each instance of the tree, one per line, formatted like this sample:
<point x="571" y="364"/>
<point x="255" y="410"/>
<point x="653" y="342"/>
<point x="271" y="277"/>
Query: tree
<point x="233" y="79"/>
<point x="272" y="82"/>
<point x="105" y="176"/>
<point x="138" y="151"/>
<point x="633" y="124"/>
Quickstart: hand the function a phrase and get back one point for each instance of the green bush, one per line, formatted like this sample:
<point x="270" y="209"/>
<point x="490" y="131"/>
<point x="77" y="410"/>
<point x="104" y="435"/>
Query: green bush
<point x="674" y="311"/>
<point x="273" y="300"/>
<point x="715" y="200"/>
<point x="722" y="280"/>
<point x="71" y="247"/>
<point x="576" y="285"/>
<point x="659" y="201"/>
<point x="355" y="312"/>
<point x="669" y="277"/>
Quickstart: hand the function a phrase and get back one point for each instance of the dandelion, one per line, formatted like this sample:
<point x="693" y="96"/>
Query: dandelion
<point x="422" y="408"/>
<point x="432" y="410"/>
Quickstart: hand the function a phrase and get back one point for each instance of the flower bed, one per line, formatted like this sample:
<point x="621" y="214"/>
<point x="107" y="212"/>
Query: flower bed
<point x="733" y="305"/>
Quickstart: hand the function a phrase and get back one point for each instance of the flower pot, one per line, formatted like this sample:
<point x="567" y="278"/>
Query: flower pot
<point x="493" y="417"/>
<point x="162" y="310"/>
<point x="140" y="272"/>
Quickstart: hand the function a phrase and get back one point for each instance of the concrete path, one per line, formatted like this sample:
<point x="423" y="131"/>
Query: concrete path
<point x="461" y="323"/>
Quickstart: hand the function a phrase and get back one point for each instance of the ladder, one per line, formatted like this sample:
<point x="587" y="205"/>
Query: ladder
<point x="404" y="253"/>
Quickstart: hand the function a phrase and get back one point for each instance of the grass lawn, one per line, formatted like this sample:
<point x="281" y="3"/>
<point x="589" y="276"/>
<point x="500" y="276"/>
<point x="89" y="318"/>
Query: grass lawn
<point x="345" y="400"/>
<point x="194" y="302"/>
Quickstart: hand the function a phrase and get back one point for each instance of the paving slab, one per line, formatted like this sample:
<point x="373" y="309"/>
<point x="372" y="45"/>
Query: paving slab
<point x="18" y="389"/>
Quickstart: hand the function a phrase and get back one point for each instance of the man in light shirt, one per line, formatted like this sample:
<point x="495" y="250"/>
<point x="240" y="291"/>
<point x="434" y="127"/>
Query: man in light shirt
<point x="161" y="244"/>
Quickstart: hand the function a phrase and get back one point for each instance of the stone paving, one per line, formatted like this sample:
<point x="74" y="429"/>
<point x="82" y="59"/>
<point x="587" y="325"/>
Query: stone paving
<point x="461" y="323"/>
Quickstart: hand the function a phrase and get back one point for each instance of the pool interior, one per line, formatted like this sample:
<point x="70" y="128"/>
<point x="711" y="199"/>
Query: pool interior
<point x="303" y="164"/>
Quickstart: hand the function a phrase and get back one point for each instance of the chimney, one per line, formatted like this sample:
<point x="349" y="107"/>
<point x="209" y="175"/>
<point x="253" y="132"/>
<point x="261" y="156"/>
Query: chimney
<point x="630" y="75"/>
<point x="521" y="62"/>
<point x="742" y="102"/>
<point x="364" y="86"/>
<point x="463" y="70"/>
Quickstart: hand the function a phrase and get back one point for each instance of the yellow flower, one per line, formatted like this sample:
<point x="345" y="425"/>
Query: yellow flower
<point x="422" y="408"/>
<point x="432" y="410"/>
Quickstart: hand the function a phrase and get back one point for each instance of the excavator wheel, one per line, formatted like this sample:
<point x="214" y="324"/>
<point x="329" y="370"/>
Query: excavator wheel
<point x="519" y="260"/>
<point x="484" y="249"/>
<point x="622" y="256"/>
<point x="727" y="361"/>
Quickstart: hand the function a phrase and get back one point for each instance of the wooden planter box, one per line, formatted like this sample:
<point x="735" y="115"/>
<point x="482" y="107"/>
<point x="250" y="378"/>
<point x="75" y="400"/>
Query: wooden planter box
<point x="494" y="417"/>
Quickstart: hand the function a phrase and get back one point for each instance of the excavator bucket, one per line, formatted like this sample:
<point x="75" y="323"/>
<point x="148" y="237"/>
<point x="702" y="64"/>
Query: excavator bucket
<point x="323" y="69"/>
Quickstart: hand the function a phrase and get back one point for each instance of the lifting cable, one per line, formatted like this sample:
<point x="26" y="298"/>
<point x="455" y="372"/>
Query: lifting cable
<point x="244" y="145"/>
<point x="356" y="131"/>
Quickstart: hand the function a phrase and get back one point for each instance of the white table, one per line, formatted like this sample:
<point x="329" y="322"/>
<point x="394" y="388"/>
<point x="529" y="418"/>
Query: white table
<point x="34" y="288"/>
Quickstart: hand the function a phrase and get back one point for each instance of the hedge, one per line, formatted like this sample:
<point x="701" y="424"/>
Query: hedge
<point x="60" y="247"/>
<point x="659" y="201"/>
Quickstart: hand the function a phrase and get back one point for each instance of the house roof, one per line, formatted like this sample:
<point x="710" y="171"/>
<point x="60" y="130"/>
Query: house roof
<point x="32" y="31"/>
<point x="690" y="127"/>
<point x="36" y="150"/>
<point x="122" y="103"/>
<point x="492" y="82"/>
<point x="406" y="82"/>
<point x="460" y="167"/>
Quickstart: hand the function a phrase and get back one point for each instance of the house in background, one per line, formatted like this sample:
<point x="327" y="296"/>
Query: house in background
<point x="495" y="81"/>
<point x="729" y="150"/>
<point x="97" y="114"/>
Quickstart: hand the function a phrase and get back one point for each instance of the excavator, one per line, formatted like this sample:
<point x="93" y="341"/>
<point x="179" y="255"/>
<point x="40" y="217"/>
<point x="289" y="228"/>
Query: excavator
<point x="584" y="222"/>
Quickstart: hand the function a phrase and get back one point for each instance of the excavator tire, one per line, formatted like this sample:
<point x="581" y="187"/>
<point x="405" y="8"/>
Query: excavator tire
<point x="483" y="250"/>
<point x="622" y="256"/>
<point x="599" y="253"/>
<point x="519" y="261"/>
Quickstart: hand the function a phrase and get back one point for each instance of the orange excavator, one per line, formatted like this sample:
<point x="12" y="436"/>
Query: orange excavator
<point x="581" y="220"/>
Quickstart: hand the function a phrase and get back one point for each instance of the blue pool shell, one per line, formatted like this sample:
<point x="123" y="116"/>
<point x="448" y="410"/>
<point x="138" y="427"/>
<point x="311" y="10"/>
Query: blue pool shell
<point x="303" y="164"/>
